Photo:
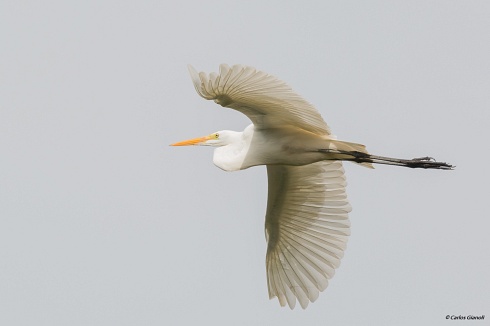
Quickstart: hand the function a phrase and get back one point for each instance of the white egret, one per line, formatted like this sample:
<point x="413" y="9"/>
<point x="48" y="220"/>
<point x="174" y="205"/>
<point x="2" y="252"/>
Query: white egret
<point x="306" y="222"/>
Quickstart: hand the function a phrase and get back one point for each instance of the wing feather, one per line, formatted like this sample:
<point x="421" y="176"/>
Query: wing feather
<point x="307" y="228"/>
<point x="266" y="100"/>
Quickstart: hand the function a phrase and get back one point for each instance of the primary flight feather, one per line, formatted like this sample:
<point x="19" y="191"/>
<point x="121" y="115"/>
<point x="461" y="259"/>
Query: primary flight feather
<point x="306" y="221"/>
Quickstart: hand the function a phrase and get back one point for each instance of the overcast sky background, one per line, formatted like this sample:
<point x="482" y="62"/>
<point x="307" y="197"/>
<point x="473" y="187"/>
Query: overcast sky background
<point x="103" y="223"/>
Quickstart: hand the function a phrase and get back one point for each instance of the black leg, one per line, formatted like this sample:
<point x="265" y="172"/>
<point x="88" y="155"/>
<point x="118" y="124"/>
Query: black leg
<point x="421" y="162"/>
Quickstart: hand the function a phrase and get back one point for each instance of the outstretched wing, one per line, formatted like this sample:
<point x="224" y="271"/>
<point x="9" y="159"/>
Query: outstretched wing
<point x="307" y="227"/>
<point x="266" y="100"/>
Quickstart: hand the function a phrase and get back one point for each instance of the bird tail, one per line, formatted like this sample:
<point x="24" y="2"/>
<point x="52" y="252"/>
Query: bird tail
<point x="345" y="146"/>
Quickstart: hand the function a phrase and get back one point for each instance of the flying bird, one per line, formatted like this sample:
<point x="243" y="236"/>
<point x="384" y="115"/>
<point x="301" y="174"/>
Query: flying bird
<point x="306" y="222"/>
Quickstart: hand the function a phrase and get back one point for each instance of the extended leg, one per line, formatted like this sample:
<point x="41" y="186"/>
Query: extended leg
<point x="421" y="162"/>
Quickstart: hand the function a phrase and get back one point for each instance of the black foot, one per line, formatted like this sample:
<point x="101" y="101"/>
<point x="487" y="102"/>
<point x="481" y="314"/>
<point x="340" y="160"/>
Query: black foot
<point x="427" y="163"/>
<point x="425" y="158"/>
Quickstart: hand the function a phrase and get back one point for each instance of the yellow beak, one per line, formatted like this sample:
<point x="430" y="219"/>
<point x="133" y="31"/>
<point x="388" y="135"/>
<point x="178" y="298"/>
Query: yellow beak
<point x="195" y="141"/>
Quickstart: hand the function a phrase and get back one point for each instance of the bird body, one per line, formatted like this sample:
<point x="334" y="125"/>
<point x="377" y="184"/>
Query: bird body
<point x="275" y="146"/>
<point x="306" y="222"/>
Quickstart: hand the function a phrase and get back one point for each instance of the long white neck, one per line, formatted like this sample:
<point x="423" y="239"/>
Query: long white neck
<point x="230" y="157"/>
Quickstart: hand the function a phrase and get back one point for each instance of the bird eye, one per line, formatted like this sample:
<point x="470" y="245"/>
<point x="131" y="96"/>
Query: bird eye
<point x="216" y="135"/>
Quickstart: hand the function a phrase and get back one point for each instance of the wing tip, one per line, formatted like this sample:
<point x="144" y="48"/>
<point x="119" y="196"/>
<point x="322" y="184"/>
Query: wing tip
<point x="195" y="79"/>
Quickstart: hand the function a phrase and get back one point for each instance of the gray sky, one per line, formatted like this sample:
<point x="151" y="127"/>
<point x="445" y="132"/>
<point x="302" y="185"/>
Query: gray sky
<point x="102" y="223"/>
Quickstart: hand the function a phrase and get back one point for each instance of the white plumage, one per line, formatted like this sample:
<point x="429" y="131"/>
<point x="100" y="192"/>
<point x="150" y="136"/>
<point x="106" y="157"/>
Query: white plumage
<point x="306" y="222"/>
<point x="266" y="100"/>
<point x="307" y="227"/>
